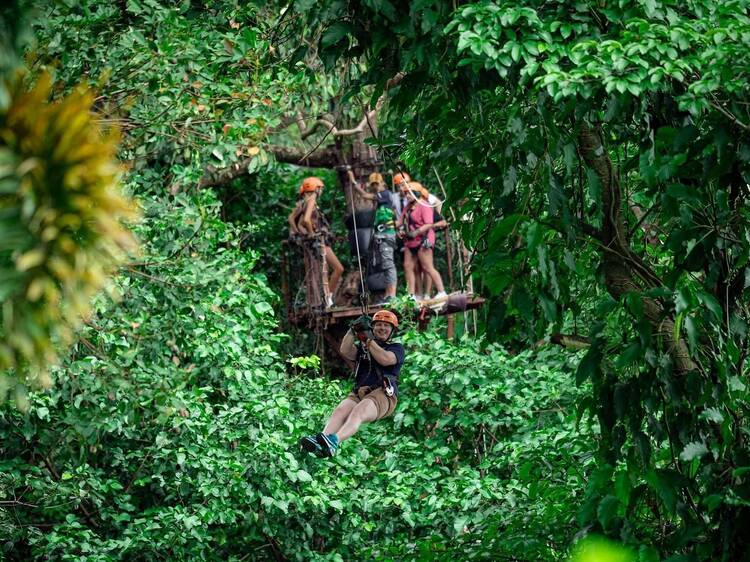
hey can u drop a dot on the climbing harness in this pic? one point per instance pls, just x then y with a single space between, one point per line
359 327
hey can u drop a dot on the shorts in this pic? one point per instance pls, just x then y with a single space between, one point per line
385 404
386 248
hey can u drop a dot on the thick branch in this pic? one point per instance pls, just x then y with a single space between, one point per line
321 158
326 157
306 131
569 341
624 271
367 119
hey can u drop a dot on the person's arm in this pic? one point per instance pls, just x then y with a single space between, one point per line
307 225
362 193
440 222
381 356
292 219
348 347
425 217
402 217
439 225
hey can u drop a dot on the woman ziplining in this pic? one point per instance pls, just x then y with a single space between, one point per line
375 392
307 220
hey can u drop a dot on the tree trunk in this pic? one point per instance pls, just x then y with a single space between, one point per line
624 271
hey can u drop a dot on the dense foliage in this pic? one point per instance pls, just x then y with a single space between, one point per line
601 152
597 158
172 430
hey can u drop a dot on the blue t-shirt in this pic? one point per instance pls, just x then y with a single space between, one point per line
367 373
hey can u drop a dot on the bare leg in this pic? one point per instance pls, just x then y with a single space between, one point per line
427 284
425 259
409 264
364 412
339 416
418 274
336 270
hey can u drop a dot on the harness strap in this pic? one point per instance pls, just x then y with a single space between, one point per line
384 381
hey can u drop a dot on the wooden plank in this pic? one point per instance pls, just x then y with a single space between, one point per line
339 313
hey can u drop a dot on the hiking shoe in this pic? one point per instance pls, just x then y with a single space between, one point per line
309 444
441 295
329 444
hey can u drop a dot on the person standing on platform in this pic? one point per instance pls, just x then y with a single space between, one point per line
384 225
307 220
417 222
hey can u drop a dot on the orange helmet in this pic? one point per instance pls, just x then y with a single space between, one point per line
402 178
386 316
417 187
310 184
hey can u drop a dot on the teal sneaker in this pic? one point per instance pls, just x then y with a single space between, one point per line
329 444
310 444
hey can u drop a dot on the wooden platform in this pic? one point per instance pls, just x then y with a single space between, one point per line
435 306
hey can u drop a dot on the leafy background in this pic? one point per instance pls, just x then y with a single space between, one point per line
170 431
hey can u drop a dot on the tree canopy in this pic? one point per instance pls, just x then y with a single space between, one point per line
595 157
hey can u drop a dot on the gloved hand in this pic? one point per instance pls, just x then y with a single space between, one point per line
361 324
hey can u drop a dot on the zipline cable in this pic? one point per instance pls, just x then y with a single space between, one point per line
363 295
395 164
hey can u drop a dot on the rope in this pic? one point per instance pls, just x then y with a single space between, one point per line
459 249
418 197
362 297
385 152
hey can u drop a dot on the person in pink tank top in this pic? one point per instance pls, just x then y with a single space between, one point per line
417 222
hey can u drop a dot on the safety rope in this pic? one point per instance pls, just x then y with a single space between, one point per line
363 295
459 250
394 164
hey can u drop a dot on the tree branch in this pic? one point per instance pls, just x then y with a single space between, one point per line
624 271
569 341
326 157
322 158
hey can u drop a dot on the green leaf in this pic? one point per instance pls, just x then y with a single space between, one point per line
304 476
336 33
630 354
712 304
533 235
336 504
648 554
607 511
